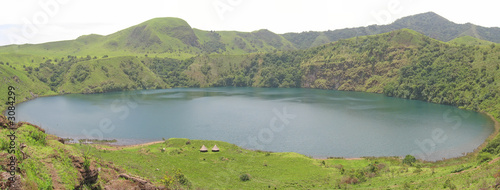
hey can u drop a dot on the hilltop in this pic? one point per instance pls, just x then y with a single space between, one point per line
165 37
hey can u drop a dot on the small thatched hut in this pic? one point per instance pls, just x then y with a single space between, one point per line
215 149
203 149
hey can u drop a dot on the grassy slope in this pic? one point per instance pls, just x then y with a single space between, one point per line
105 74
48 163
288 170
469 40
26 87
224 167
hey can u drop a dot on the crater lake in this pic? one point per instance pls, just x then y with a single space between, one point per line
318 123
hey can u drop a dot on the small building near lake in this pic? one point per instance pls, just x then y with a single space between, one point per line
203 149
215 149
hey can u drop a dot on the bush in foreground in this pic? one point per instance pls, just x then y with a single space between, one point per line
175 181
245 177
484 157
409 160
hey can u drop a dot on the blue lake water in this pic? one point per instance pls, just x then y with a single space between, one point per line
319 123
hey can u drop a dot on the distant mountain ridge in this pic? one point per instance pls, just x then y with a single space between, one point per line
429 24
174 37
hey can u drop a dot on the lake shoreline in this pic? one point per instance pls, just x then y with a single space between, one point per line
474 151
496 130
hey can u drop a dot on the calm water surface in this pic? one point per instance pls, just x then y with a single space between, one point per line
317 123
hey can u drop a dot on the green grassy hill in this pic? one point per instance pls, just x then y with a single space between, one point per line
162 37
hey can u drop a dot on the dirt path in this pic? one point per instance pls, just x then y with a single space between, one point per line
53 175
143 144
353 158
120 147
494 160
489 163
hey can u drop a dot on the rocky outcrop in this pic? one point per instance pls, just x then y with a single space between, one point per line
5 183
4 122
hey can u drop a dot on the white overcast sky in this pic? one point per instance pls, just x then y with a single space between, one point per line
38 21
